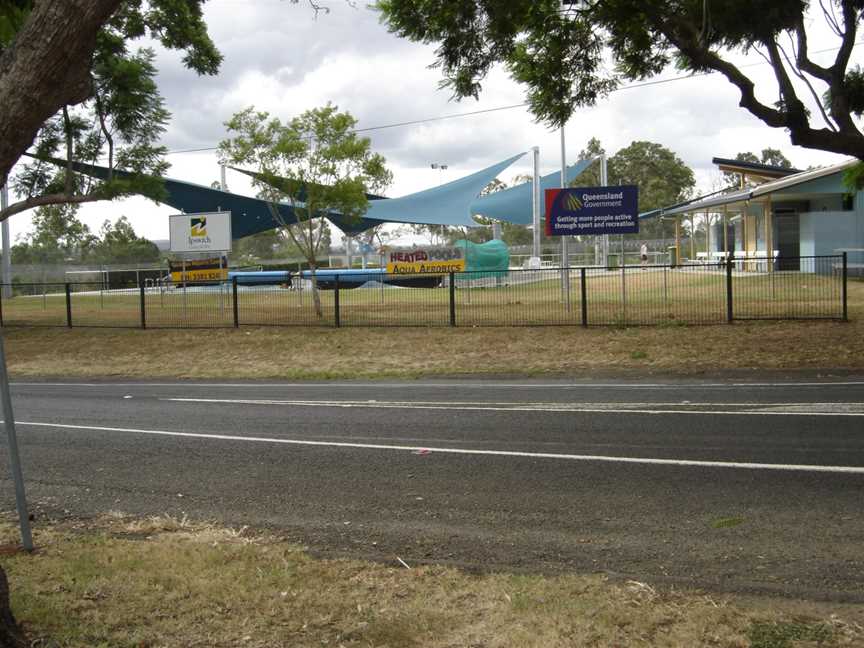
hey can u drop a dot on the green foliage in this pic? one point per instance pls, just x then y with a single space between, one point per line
771 156
274 244
853 178
511 233
120 244
125 115
785 634
13 14
562 52
662 177
316 163
59 237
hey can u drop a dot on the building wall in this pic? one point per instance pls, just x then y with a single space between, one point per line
823 232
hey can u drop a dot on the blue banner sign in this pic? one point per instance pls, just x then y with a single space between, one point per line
592 210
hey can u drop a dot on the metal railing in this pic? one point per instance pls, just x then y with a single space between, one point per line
702 293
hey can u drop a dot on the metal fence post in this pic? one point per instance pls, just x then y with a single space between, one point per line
452 299
2 290
336 303
583 284
729 312
68 305
844 288
143 304
234 301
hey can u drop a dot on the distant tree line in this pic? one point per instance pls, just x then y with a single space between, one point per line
58 237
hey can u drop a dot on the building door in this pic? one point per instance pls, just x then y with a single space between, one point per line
787 239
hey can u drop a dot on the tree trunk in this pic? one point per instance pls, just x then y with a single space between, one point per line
316 296
10 634
46 67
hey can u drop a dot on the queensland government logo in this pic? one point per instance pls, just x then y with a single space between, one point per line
572 202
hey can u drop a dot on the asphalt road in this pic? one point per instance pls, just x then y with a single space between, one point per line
724 485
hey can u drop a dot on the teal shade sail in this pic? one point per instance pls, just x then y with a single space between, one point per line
514 204
448 204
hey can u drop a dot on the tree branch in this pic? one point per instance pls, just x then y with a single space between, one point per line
810 87
67 128
804 63
49 199
794 118
104 128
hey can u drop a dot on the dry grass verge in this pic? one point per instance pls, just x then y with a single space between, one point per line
321 353
373 353
166 582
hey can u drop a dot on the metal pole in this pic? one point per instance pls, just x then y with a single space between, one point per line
565 248
183 278
604 180
221 283
452 288
7 250
234 301
142 304
583 289
535 211
14 457
623 285
844 296
337 320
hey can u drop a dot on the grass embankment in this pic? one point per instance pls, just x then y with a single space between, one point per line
323 353
165 582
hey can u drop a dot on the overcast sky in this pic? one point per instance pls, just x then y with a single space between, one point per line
282 59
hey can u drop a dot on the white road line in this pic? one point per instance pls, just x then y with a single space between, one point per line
457 385
615 408
855 470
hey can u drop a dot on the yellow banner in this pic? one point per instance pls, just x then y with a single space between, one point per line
213 274
199 270
427 267
432 260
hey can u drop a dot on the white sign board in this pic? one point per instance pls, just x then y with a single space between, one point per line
200 232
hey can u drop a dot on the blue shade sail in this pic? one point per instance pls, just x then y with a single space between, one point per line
448 204
514 204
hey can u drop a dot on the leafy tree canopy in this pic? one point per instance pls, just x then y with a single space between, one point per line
58 237
662 177
559 53
316 162
123 116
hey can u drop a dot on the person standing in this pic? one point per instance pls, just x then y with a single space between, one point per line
643 255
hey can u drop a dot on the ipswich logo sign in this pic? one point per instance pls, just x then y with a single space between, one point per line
592 210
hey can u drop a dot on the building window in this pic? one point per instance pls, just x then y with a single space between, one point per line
848 202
